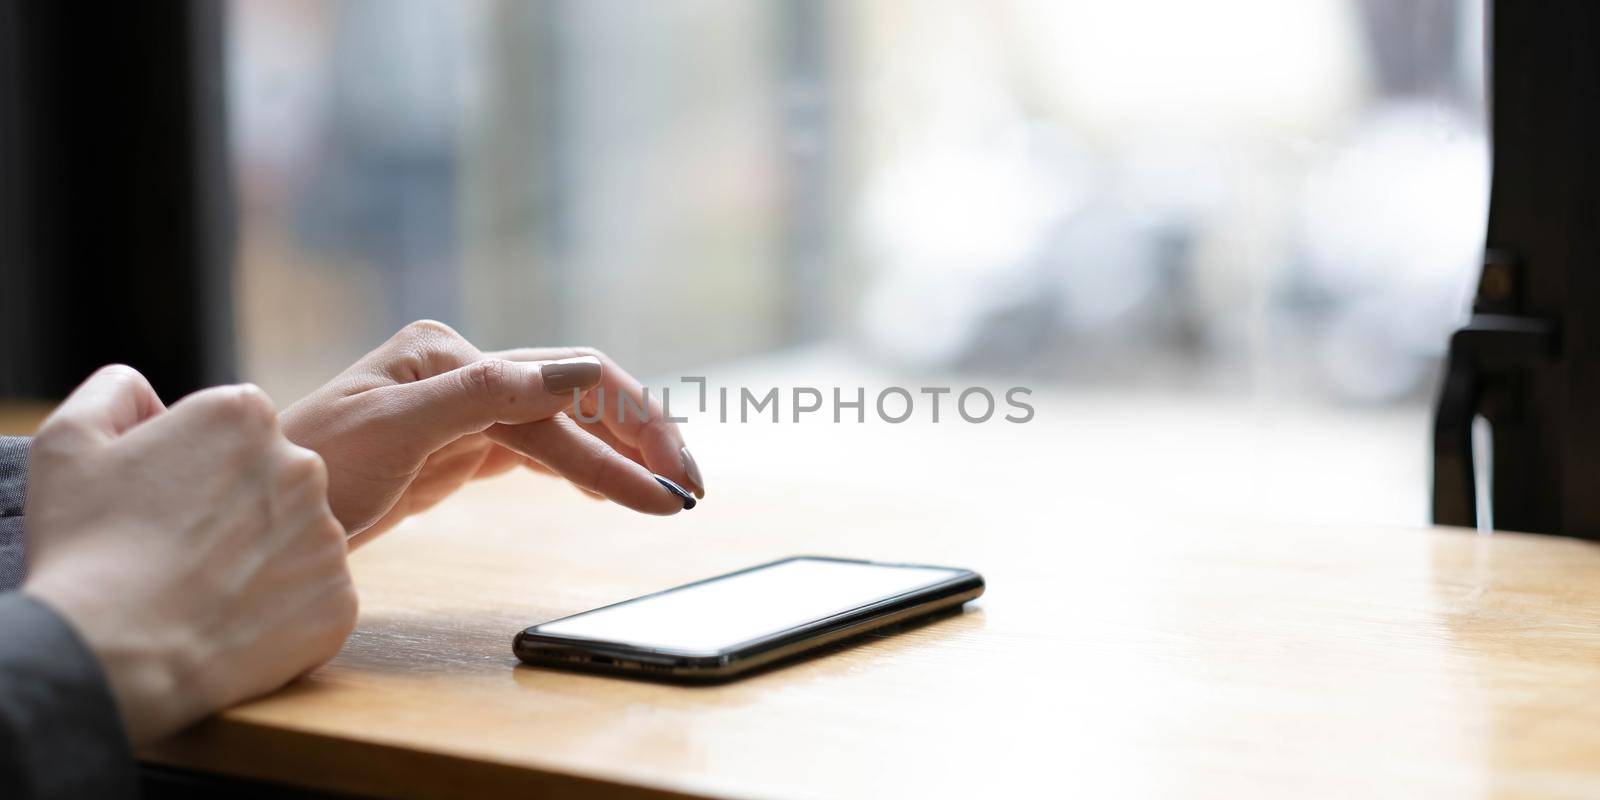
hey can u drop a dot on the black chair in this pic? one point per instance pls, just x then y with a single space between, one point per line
1528 361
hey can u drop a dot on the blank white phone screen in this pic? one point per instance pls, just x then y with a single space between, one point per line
725 612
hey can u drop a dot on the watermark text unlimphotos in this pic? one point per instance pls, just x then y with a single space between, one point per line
893 404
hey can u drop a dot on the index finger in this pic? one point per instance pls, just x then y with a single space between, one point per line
656 437
567 450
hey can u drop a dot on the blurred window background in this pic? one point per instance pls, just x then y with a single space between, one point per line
1247 222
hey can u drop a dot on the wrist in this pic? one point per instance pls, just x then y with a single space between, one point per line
144 682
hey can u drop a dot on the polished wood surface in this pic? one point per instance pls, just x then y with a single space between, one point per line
1152 656
20 418
1155 624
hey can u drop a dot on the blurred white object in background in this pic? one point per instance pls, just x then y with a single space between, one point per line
954 231
1149 213
1224 71
1392 227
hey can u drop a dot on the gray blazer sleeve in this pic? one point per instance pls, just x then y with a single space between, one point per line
13 487
60 732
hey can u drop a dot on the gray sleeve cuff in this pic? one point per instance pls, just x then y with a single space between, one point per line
60 732
13 490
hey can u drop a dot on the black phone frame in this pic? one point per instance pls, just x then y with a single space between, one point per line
616 658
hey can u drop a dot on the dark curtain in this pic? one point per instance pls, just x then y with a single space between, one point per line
115 206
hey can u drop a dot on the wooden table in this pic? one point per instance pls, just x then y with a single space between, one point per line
1152 626
1134 656
20 418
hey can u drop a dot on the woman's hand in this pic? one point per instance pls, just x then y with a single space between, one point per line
192 548
426 412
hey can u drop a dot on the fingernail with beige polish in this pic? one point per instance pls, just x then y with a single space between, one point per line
568 374
691 471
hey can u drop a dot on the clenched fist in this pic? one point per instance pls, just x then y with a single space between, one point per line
193 547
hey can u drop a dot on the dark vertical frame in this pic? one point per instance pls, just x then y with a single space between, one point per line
117 201
16 287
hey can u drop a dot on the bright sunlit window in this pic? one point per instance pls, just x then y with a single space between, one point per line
1181 223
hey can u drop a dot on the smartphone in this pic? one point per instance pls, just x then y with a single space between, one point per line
722 627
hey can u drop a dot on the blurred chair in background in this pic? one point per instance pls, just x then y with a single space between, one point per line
1528 361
